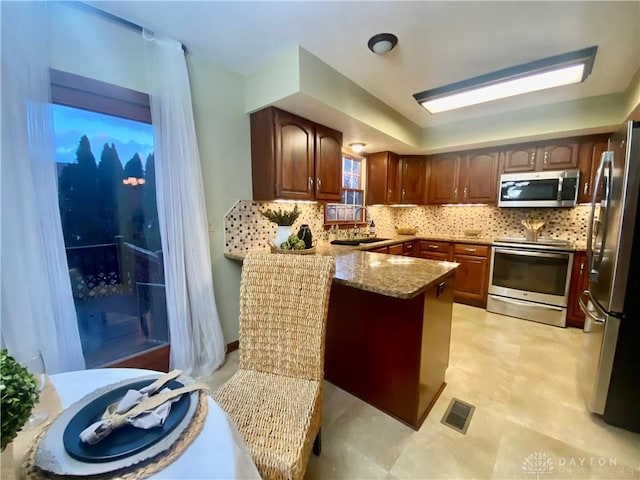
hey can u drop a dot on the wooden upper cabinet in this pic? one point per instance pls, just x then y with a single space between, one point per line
471 178
479 177
412 175
382 179
328 164
590 155
294 158
519 159
443 178
562 155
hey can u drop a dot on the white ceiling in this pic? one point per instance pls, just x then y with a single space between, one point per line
439 42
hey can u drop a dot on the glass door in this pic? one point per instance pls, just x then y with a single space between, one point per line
107 200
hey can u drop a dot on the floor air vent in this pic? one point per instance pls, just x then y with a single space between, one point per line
458 415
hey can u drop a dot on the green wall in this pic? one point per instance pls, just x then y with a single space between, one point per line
90 45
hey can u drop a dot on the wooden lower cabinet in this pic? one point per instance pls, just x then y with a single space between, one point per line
390 352
472 274
396 249
379 250
579 283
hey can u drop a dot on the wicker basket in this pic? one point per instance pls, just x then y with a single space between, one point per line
404 230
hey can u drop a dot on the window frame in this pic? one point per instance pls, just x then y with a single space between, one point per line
361 220
73 90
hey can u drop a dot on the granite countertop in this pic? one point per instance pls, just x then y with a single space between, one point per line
390 275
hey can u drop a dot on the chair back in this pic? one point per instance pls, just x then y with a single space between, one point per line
284 300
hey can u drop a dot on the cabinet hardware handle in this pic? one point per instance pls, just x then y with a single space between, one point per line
310 183
533 158
318 184
586 188
465 192
389 193
581 267
432 246
546 158
404 192
470 249
455 193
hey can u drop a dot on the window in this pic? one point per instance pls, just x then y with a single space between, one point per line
352 195
104 149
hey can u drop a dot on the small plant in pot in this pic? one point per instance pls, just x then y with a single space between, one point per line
280 217
19 394
284 219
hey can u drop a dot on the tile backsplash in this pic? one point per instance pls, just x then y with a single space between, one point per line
246 229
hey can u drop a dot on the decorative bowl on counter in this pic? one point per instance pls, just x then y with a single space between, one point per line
303 251
306 251
405 230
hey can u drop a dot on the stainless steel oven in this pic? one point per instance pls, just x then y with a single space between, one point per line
530 281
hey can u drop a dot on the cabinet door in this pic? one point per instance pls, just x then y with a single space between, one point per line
382 179
412 173
294 151
328 164
443 179
471 280
479 178
558 156
396 249
520 159
579 283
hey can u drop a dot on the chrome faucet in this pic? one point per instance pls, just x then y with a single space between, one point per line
355 214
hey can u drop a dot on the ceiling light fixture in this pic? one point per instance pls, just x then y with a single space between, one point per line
565 69
356 147
382 43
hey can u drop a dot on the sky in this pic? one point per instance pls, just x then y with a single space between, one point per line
129 136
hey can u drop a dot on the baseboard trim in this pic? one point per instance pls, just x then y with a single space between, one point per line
233 346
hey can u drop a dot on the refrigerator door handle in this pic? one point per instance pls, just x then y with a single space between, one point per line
587 311
595 224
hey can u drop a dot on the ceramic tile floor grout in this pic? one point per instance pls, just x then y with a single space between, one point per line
530 421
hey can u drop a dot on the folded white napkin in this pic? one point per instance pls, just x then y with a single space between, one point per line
145 420
139 409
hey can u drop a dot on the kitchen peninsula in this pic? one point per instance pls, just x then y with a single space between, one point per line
388 329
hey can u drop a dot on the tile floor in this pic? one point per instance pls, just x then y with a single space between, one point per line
530 421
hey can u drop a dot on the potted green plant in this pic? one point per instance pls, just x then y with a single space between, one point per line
284 220
19 393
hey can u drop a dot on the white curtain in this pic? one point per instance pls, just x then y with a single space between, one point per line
37 312
197 345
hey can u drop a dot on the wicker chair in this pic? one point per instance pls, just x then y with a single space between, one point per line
275 398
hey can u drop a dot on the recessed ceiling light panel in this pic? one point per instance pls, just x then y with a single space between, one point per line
566 69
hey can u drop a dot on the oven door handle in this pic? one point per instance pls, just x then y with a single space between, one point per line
526 304
531 254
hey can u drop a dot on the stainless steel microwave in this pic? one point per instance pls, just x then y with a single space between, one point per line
539 189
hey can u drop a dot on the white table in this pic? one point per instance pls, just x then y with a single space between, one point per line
218 452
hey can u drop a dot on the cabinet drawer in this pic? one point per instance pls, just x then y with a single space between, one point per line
409 248
471 249
433 246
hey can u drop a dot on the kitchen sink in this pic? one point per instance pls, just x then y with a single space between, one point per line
358 241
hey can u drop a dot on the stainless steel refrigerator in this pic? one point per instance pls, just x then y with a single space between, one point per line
610 365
